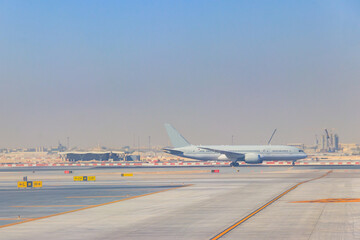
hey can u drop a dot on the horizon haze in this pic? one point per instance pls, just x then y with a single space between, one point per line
110 72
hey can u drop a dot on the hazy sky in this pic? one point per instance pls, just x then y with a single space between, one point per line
106 71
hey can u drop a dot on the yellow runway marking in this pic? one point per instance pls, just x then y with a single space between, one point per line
330 200
262 207
96 196
92 206
51 206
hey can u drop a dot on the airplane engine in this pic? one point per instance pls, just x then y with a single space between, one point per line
223 157
252 158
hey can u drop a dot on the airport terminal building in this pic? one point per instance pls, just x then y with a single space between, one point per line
92 156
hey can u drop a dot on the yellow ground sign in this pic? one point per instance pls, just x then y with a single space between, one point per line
91 178
84 178
29 184
22 184
37 184
127 174
78 178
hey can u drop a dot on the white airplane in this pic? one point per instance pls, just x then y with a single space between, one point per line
248 153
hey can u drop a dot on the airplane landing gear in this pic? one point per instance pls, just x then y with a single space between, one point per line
234 164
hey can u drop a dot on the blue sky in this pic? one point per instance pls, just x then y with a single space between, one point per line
106 71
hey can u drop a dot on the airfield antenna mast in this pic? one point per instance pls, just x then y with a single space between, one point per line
272 136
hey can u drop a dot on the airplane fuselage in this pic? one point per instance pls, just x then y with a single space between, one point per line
234 153
264 152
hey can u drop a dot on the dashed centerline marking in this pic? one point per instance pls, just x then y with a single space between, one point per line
227 230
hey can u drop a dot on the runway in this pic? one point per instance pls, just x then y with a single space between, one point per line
189 203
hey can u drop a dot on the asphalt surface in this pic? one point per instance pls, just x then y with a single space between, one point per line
178 203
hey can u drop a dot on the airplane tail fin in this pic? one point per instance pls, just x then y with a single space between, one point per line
177 140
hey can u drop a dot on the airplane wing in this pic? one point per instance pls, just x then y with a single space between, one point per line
228 154
172 151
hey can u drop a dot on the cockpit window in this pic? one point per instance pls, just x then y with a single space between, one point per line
301 151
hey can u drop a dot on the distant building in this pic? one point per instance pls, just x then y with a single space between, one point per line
336 142
350 148
132 158
90 156
98 156
329 142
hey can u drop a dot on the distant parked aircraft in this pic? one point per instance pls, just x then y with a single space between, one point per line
248 153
